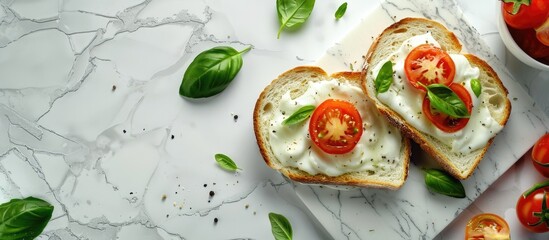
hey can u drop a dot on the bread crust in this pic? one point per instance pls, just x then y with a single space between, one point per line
301 176
443 158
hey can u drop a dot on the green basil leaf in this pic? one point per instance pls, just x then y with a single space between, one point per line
24 218
300 115
292 13
280 226
476 87
211 72
384 78
225 162
445 100
341 11
440 182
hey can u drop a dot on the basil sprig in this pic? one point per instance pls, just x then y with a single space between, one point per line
225 162
384 78
280 226
440 182
211 72
445 100
24 218
292 13
299 116
341 11
475 86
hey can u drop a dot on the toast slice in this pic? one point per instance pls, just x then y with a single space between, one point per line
493 96
296 82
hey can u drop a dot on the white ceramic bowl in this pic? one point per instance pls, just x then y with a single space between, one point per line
512 45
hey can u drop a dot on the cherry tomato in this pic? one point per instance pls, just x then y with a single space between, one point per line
526 39
487 226
444 122
532 209
542 33
523 14
540 155
335 126
428 64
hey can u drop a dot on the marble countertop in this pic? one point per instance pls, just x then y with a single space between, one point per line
91 119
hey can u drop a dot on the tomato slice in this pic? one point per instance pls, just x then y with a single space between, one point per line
542 33
335 126
428 64
540 155
487 226
444 122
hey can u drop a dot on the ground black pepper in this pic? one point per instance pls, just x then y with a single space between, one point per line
124 131
205 185
212 193
173 136
235 117
216 220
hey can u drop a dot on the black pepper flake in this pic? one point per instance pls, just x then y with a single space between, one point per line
113 88
205 185
131 193
212 193
235 117
173 136
514 99
124 131
167 215
214 184
216 220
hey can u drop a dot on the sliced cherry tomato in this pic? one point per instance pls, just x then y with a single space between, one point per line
542 33
335 126
487 226
444 122
540 155
523 14
427 64
532 208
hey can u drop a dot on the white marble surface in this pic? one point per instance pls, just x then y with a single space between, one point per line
104 155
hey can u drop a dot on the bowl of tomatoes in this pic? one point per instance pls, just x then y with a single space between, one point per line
524 28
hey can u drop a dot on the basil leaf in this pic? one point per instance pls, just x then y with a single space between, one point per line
24 218
476 87
211 72
300 115
280 226
292 13
341 11
447 101
384 78
225 162
440 182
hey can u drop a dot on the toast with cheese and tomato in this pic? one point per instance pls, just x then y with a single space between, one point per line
451 103
317 128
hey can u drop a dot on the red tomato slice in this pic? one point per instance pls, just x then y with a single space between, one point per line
428 64
444 122
542 33
487 226
540 155
335 126
527 16
532 208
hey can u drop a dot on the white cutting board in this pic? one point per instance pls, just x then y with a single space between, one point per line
413 212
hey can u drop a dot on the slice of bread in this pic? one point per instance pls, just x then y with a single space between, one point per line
296 81
494 94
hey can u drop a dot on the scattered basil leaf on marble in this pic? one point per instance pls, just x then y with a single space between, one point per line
211 72
445 100
384 78
280 226
341 11
292 13
225 162
476 87
24 218
299 116
441 182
